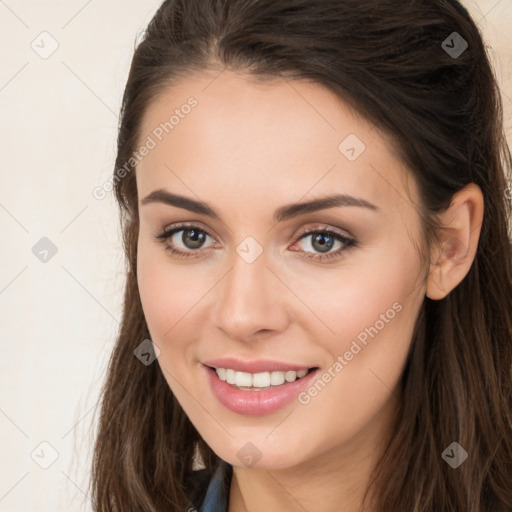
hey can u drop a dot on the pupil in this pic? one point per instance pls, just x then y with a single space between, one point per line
325 242
197 237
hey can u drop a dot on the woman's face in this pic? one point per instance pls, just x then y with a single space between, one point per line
261 277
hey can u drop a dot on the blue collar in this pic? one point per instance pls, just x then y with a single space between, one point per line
217 493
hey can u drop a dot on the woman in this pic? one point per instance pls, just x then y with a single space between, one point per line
317 308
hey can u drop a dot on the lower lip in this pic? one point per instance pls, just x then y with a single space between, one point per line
257 403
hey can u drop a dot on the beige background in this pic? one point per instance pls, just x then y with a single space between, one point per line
58 319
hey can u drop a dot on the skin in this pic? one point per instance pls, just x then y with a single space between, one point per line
246 150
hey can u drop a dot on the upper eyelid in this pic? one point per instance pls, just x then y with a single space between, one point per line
323 228
302 232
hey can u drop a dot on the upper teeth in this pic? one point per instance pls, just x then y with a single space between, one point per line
258 380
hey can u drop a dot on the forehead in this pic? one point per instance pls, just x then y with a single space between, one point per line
264 138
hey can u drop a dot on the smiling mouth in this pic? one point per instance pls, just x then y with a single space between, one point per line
261 381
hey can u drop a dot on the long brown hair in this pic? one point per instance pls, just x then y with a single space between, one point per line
387 59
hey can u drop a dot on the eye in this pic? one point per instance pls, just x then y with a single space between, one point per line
323 240
185 245
191 241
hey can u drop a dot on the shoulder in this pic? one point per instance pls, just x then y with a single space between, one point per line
210 492
199 481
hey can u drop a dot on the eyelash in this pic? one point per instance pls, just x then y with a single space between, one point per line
349 243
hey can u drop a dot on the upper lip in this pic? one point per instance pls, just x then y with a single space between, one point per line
256 366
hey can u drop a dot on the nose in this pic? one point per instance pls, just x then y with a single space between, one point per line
251 301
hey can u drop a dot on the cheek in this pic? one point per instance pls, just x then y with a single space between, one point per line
373 312
372 300
165 294
167 302
356 294
173 298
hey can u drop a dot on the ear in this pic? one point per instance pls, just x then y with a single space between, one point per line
453 257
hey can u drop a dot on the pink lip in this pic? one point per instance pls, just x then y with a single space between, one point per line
257 366
256 403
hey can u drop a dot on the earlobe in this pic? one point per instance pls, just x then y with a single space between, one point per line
458 241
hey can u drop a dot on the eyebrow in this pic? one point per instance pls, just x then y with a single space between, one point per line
283 213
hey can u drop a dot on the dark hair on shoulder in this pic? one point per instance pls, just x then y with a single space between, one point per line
444 113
